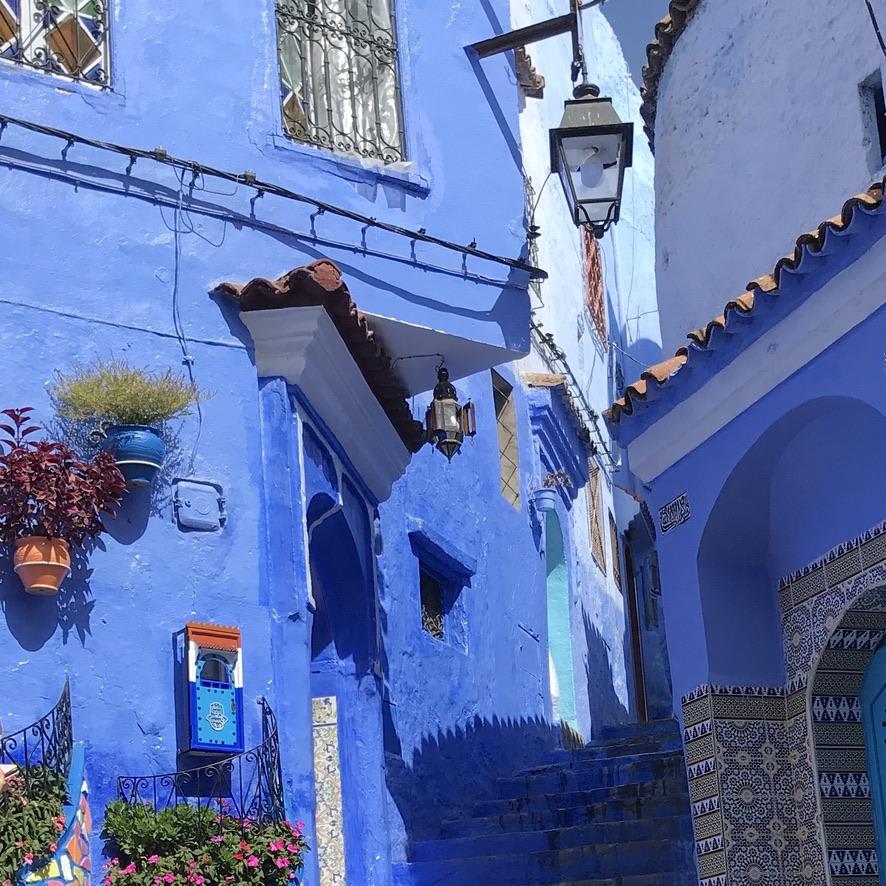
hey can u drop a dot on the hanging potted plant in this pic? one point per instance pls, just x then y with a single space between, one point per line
49 500
546 497
129 406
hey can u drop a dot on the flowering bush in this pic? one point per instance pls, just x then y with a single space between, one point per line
188 846
31 819
46 490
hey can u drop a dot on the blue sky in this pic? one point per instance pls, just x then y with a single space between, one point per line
634 22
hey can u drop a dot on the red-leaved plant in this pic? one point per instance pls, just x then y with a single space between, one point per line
46 489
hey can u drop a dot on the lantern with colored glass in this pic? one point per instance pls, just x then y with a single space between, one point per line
447 422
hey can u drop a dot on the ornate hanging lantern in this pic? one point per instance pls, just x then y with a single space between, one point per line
446 422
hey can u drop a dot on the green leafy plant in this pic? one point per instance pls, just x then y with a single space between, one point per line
193 846
31 819
112 391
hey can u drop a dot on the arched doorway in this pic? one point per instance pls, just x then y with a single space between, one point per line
559 624
345 692
872 700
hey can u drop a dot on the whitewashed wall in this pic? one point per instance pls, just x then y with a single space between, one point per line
760 136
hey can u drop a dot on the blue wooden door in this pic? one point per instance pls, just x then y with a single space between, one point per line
873 713
216 702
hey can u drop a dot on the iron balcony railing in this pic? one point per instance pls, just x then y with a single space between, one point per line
46 744
244 786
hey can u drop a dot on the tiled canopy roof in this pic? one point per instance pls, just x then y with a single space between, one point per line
703 339
320 285
557 382
667 32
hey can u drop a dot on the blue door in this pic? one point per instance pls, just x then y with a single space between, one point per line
873 713
216 708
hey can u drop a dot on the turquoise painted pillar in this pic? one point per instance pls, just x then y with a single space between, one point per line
559 622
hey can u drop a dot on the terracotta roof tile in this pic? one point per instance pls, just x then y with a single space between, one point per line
667 32
768 285
320 284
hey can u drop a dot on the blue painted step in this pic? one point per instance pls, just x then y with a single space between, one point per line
545 839
596 861
615 813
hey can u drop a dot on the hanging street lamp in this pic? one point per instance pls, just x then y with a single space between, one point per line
592 146
446 422
590 150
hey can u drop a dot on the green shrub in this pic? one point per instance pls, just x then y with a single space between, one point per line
115 392
200 847
31 820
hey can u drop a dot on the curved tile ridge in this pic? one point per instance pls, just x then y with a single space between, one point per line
743 305
320 284
667 32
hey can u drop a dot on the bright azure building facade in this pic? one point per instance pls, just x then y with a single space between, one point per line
282 200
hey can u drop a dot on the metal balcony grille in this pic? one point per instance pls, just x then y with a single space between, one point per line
68 38
338 73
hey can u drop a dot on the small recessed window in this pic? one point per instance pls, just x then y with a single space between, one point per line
432 605
873 110
508 450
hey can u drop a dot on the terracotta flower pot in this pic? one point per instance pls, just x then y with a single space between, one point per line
42 564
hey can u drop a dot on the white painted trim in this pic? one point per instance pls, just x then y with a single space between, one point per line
303 346
824 318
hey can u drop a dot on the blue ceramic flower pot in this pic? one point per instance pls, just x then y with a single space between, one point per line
138 451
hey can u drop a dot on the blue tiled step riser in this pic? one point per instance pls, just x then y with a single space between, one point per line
640 730
612 749
674 786
545 839
606 775
661 857
612 810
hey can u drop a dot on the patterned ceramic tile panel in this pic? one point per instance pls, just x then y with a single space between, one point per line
71 864
329 818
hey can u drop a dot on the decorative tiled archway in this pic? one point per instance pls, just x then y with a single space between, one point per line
771 804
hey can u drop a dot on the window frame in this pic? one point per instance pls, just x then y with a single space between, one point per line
510 487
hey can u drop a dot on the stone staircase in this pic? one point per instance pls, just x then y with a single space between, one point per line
615 813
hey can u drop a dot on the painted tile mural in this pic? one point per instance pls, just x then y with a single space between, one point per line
778 776
71 864
329 839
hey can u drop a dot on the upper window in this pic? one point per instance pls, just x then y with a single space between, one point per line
508 452
873 109
616 563
64 37
595 292
338 71
595 514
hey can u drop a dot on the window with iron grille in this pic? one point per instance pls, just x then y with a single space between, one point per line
613 539
595 291
339 81
432 605
508 452
595 514
64 37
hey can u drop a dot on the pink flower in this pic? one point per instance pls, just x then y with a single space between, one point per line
292 847
252 861
153 859
281 862
276 845
130 868
169 877
53 847
218 838
28 857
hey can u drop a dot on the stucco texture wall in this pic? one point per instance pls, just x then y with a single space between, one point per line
760 135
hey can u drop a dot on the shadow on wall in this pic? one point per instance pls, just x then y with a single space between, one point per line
604 705
458 767
33 620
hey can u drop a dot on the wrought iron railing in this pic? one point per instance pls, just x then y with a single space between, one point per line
64 37
339 80
45 745
245 786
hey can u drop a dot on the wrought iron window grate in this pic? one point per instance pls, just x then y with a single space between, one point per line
248 785
47 743
64 37
339 80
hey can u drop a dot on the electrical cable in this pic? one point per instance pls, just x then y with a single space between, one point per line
159 155
876 25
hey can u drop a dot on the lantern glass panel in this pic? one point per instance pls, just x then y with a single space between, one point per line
591 170
446 414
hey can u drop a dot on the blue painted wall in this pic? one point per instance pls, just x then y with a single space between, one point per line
797 473
90 271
